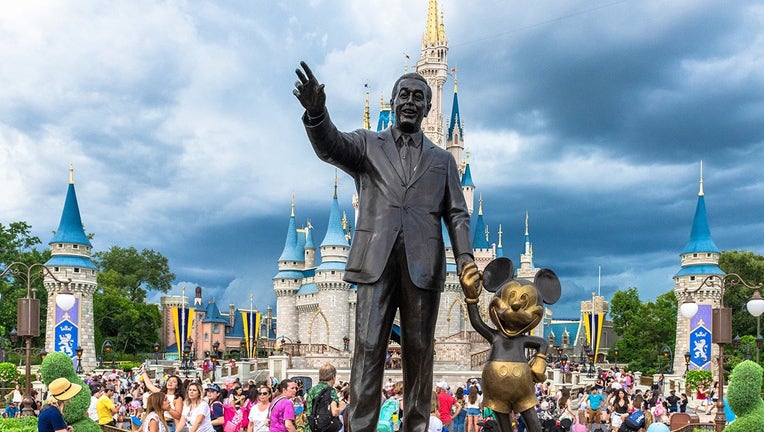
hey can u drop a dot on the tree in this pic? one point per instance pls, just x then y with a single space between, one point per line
119 307
644 328
134 273
17 244
751 268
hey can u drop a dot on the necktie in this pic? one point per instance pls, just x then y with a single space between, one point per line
407 156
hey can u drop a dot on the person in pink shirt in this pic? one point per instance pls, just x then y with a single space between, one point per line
282 409
446 403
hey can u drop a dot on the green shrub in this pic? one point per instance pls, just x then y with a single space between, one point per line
23 424
744 398
58 365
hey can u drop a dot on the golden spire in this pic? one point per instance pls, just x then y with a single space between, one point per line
434 28
344 220
292 204
701 179
71 174
500 233
366 116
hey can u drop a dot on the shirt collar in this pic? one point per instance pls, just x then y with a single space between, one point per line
416 136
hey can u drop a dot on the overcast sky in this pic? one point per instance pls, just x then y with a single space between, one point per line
179 120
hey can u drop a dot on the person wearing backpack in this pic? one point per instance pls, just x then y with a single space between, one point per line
323 404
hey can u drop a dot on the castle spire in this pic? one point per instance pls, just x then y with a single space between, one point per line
434 31
480 238
290 252
366 115
70 229
433 66
700 234
701 179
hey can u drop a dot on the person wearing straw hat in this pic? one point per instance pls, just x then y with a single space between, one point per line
51 418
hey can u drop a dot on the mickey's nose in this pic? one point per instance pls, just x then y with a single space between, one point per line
516 305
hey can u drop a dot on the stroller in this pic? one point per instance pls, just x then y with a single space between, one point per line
552 425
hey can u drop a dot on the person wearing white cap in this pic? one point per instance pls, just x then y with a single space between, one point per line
445 404
51 417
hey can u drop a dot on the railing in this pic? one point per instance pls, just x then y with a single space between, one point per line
479 358
106 428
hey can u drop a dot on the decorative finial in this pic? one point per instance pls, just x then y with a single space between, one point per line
71 174
453 72
526 223
310 225
336 181
344 220
500 233
406 65
486 232
366 115
701 179
468 156
480 205
292 205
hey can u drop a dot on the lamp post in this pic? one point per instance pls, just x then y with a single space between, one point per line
105 349
559 352
615 353
28 315
243 351
184 364
686 362
666 353
79 360
722 325
737 342
213 360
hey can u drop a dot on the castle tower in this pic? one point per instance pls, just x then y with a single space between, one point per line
700 259
468 186
526 269
499 247
70 251
287 281
329 323
480 246
454 140
433 66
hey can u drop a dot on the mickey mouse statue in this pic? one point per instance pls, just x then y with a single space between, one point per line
515 310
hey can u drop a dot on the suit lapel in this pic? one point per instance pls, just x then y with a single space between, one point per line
388 147
428 151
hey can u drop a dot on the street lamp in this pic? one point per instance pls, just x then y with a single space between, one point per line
298 346
722 325
667 354
615 353
78 351
213 360
686 362
105 349
243 352
28 315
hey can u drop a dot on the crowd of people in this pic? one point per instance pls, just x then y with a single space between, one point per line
171 403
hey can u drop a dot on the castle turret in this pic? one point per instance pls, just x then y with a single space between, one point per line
287 281
468 186
433 66
526 269
700 259
70 251
454 139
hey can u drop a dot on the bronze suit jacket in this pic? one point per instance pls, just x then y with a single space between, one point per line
388 204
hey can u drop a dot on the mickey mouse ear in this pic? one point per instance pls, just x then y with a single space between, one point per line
497 273
548 285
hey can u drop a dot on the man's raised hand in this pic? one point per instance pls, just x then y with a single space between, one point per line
308 91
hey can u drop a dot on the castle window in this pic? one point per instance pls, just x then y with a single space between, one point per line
694 255
216 328
75 246
565 339
692 278
708 255
55 269
76 269
60 245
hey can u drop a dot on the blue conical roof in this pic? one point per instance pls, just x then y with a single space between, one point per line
479 240
456 121
467 177
309 238
700 235
335 235
70 228
290 252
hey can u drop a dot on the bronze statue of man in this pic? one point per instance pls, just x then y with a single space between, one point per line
407 187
